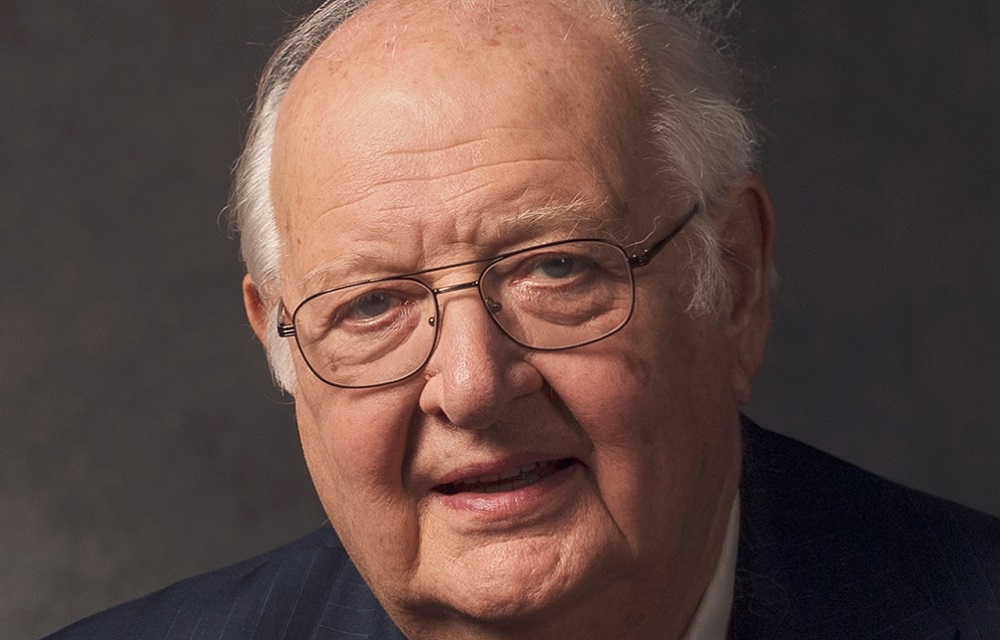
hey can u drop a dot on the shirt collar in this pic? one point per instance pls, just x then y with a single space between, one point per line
711 619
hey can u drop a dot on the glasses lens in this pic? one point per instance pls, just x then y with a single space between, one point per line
560 296
367 334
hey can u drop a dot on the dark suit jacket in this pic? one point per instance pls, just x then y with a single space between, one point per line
827 551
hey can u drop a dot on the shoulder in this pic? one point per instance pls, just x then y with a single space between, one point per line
287 592
830 550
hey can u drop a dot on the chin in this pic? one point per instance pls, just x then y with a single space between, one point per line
520 591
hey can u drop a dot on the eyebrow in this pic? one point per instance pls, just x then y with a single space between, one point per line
573 219
584 217
335 272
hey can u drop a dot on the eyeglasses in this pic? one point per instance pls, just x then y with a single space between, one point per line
549 297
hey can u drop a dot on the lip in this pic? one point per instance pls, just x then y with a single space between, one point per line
535 500
495 467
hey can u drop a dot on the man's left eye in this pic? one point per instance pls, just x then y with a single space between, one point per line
372 305
557 267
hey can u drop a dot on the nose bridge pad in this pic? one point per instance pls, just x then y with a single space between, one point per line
492 305
493 308
488 287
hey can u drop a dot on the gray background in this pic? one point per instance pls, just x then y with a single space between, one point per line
142 441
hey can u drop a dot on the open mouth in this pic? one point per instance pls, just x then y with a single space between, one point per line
511 480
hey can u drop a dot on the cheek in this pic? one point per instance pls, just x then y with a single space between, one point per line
625 379
356 444
654 409
355 441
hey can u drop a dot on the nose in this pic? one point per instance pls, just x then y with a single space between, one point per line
476 371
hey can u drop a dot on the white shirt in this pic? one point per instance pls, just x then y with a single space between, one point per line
711 619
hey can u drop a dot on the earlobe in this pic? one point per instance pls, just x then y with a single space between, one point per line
748 239
257 311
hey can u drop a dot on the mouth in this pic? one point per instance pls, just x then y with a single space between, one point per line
508 480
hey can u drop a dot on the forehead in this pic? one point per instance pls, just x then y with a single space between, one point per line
385 34
474 114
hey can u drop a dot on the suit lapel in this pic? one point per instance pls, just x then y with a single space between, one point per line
818 556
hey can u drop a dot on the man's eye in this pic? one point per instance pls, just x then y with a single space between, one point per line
370 305
367 311
557 267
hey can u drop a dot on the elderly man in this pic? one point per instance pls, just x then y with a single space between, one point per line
511 261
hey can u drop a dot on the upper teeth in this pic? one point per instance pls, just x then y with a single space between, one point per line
503 475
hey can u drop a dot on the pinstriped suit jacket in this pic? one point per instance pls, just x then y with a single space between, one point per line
827 551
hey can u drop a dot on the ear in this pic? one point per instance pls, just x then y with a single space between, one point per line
257 311
748 237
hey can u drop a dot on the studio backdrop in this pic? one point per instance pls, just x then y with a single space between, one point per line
142 440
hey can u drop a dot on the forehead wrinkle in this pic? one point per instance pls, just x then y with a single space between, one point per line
401 203
445 146
393 194
416 166
394 180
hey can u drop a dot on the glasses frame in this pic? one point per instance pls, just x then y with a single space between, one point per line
635 261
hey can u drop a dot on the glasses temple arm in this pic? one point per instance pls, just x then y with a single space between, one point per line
642 259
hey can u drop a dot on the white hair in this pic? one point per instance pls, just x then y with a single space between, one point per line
699 126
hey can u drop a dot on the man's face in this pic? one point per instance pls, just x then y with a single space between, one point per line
459 137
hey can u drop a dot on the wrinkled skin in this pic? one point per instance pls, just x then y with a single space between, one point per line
417 137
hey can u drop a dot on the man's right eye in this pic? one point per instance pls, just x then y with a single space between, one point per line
366 310
372 305
368 307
